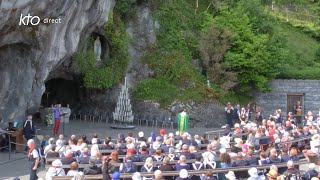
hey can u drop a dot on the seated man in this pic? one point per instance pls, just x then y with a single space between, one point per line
240 162
311 172
273 156
185 152
263 159
251 159
144 154
291 171
84 159
182 164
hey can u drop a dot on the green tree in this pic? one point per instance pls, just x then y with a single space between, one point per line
214 43
249 55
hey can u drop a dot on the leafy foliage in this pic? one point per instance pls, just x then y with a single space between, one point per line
106 75
214 43
250 54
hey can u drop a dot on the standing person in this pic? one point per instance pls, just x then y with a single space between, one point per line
57 119
34 159
229 114
28 129
183 122
249 112
259 115
298 112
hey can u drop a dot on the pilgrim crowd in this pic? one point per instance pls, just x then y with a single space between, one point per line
243 142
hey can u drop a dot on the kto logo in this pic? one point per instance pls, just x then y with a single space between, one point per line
25 20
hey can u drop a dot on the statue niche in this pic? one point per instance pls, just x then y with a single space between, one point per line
101 48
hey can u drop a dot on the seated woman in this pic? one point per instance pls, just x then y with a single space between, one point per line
148 165
225 160
114 159
55 170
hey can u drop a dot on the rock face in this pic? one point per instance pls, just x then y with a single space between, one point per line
285 94
141 30
28 53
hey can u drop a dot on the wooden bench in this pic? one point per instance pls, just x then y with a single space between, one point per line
190 172
81 166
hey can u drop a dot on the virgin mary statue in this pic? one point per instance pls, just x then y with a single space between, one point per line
97 49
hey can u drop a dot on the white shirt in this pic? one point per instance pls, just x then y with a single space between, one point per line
35 153
94 149
54 172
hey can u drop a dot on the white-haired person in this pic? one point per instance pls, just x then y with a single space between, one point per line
141 137
34 159
136 176
158 175
60 145
182 164
291 169
311 172
94 147
308 119
183 175
49 146
254 174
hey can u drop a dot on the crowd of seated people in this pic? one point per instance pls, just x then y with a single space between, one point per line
248 144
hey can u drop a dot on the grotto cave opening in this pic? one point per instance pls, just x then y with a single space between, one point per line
61 91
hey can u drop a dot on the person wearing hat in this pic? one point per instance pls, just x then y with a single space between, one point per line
231 176
55 170
183 122
141 137
254 174
183 175
68 159
272 174
136 176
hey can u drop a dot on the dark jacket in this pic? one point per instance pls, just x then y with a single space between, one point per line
83 160
92 170
28 129
274 159
252 160
310 174
179 167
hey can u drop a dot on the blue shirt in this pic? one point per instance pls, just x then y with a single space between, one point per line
56 113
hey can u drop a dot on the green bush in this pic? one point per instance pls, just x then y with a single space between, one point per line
103 76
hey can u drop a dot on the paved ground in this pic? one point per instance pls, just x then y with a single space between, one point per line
17 166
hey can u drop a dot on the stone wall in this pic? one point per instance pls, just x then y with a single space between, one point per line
277 98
